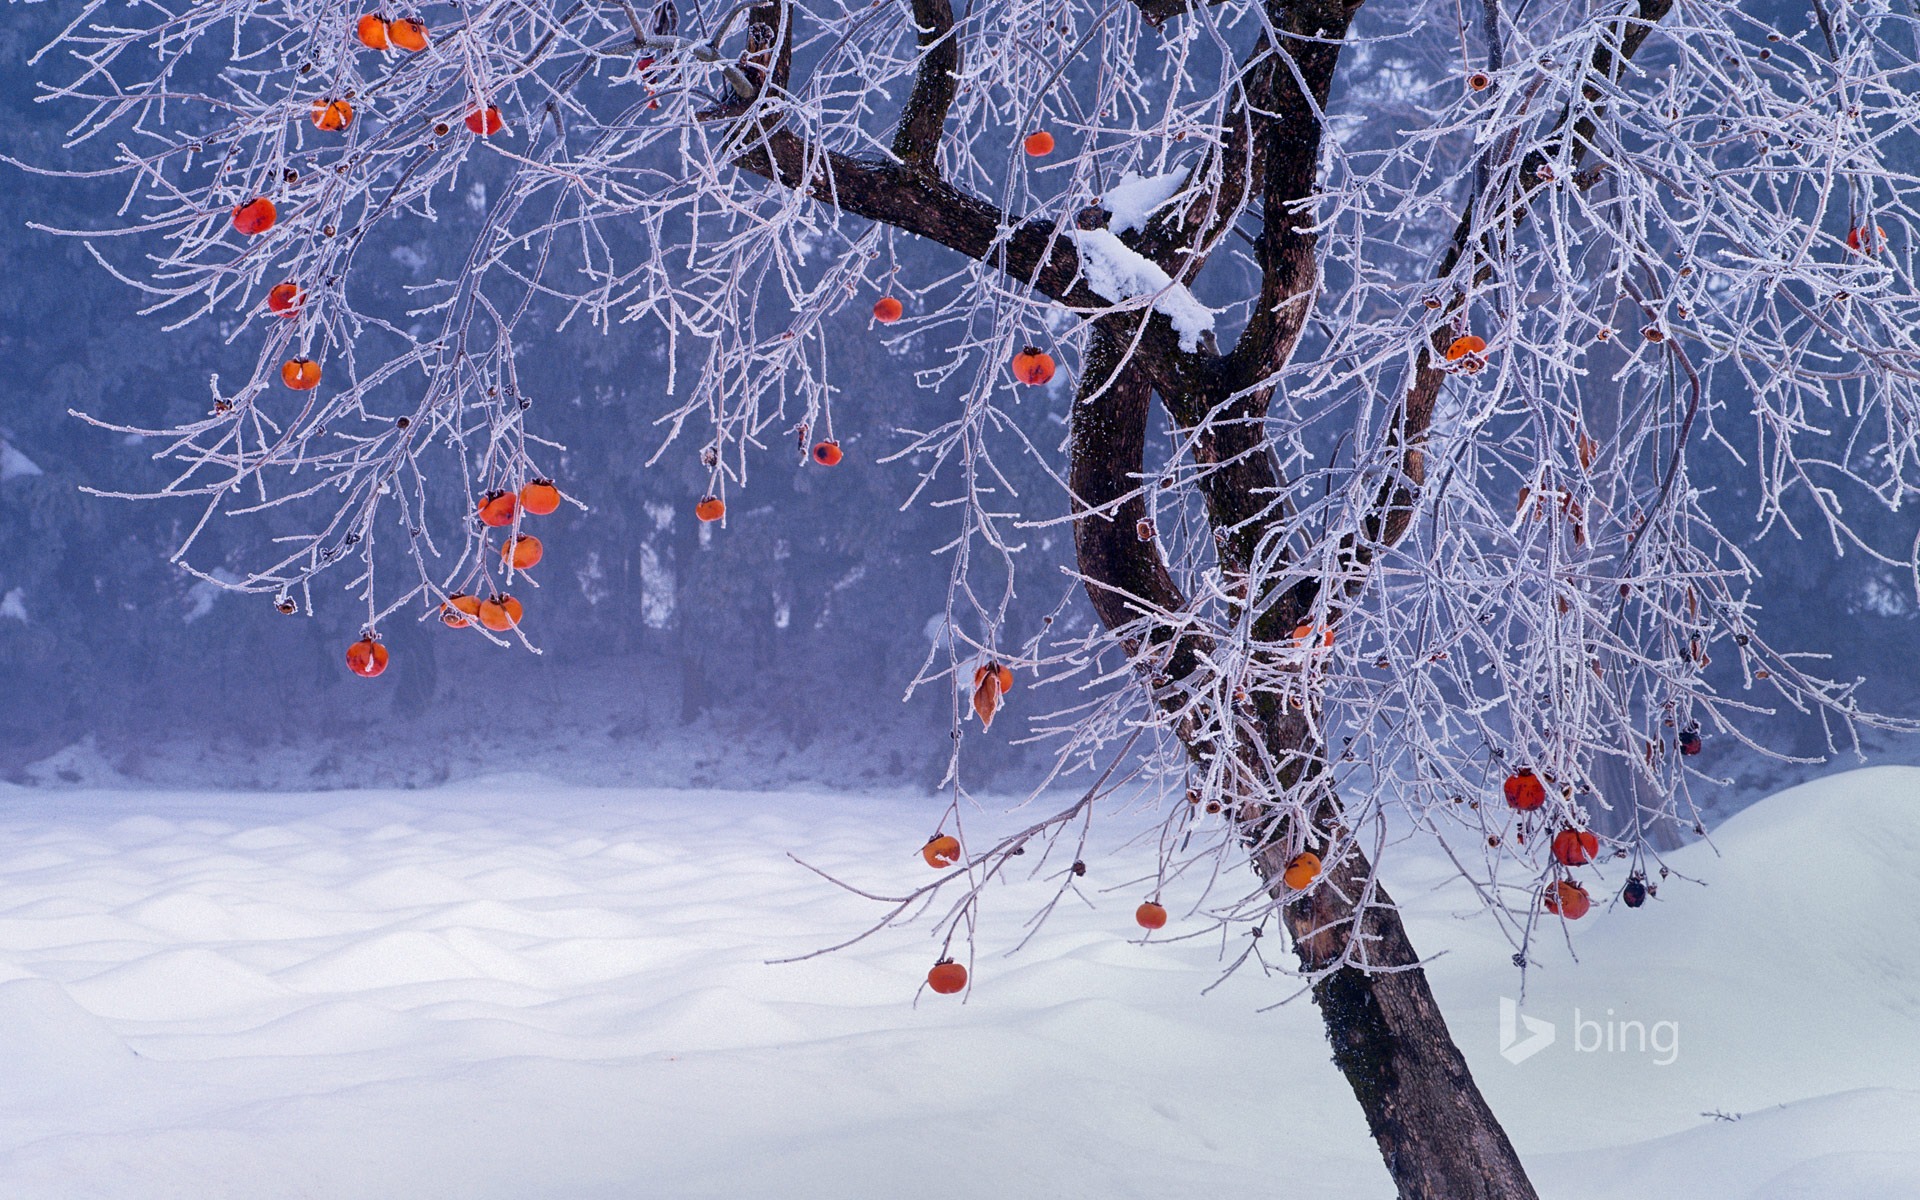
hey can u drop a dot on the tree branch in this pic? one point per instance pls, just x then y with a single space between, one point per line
917 142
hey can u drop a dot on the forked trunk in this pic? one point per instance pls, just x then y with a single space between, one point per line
1434 1129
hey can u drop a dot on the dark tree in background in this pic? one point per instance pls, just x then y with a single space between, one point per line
1363 354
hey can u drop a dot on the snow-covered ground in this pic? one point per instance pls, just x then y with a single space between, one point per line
514 990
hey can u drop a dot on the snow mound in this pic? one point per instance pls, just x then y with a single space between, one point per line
1135 199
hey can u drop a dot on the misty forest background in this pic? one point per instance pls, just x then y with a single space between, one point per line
773 652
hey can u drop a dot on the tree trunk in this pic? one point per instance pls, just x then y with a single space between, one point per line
1434 1129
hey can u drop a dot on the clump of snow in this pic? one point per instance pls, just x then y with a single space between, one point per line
14 605
509 989
1118 273
1135 199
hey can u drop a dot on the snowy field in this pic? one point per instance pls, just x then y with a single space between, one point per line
512 990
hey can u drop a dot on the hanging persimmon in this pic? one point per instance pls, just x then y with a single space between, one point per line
1862 242
710 508
942 850
1568 899
300 374
1635 893
887 310
522 552
1575 847
1033 366
500 612
540 497
947 977
254 217
496 509
1303 634
1302 869
366 657
1524 790
285 299
1151 915
409 33
485 122
372 32
459 610
1690 743
990 682
332 115
1039 144
827 453
1465 345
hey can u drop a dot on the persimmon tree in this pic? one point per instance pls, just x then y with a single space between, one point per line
1383 340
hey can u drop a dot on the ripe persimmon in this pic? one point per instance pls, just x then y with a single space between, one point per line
285 299
1690 743
1303 635
500 612
372 32
300 374
1575 847
1465 345
1039 144
1151 915
827 453
1002 676
1033 366
887 310
1524 790
485 122
1862 242
947 977
458 610
254 217
522 552
1635 893
1302 869
409 33
332 115
366 657
710 508
496 509
1568 899
942 850
540 497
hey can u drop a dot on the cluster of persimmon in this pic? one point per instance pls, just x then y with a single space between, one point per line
497 510
1526 792
378 33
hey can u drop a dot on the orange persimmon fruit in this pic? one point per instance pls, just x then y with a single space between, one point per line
1039 144
1575 847
500 612
409 33
458 610
300 374
522 552
827 453
1302 869
1033 366
710 508
1524 790
1568 899
254 217
540 497
1151 915
1465 345
496 509
332 115
372 32
285 299
947 977
887 310
366 658
942 850
485 122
